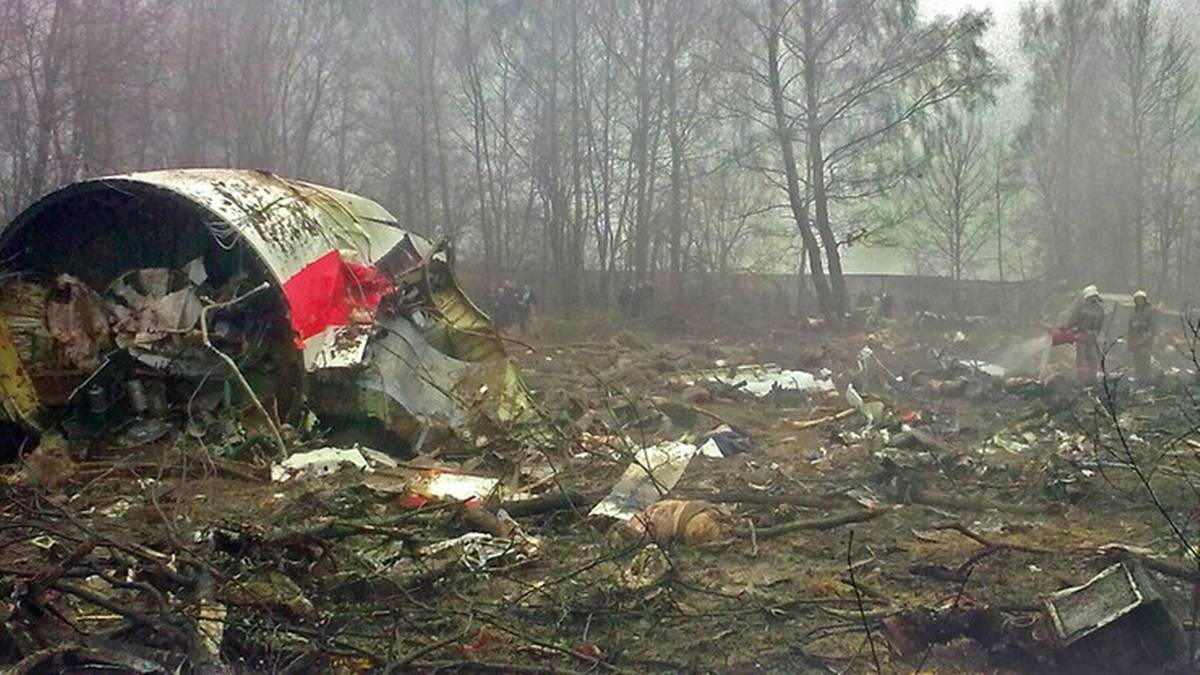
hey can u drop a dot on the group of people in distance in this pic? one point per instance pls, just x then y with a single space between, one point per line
1086 321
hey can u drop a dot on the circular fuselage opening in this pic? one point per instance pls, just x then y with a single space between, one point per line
123 245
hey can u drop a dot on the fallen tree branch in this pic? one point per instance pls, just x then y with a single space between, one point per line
462 665
105 469
862 611
822 523
556 501
406 661
944 501
751 497
53 658
1165 567
809 424
105 602
988 543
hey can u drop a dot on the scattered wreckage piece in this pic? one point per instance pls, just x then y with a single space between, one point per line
1116 622
380 473
651 474
692 522
760 380
361 316
18 398
317 463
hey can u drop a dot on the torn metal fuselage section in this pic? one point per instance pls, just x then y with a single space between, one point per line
432 359
362 319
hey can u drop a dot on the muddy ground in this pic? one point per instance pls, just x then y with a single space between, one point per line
832 533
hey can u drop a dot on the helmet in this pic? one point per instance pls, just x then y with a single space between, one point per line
1091 292
1140 295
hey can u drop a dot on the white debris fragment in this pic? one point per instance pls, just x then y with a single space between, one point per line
319 462
460 486
986 368
654 470
378 458
477 549
761 380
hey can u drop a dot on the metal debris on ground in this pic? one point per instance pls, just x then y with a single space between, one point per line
653 471
1117 622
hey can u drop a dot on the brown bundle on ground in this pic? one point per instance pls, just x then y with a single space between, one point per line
693 522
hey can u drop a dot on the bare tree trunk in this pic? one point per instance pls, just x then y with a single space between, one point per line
783 136
640 139
47 99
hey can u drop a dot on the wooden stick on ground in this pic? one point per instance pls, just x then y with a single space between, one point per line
808 424
822 523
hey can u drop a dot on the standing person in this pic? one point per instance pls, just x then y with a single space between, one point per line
625 300
1087 320
526 304
504 305
1141 336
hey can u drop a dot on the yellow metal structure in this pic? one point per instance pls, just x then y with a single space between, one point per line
18 398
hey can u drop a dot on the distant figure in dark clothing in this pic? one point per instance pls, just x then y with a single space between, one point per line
887 306
526 301
636 302
625 300
510 306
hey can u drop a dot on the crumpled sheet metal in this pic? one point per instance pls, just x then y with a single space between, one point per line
437 389
653 471
18 398
465 331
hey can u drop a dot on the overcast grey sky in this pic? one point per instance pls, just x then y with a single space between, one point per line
936 6
1005 32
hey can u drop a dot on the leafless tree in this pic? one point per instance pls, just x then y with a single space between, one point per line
953 191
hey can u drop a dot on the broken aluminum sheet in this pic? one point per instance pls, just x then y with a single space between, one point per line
458 486
476 549
324 461
288 223
986 368
762 379
336 347
433 483
653 472
434 388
